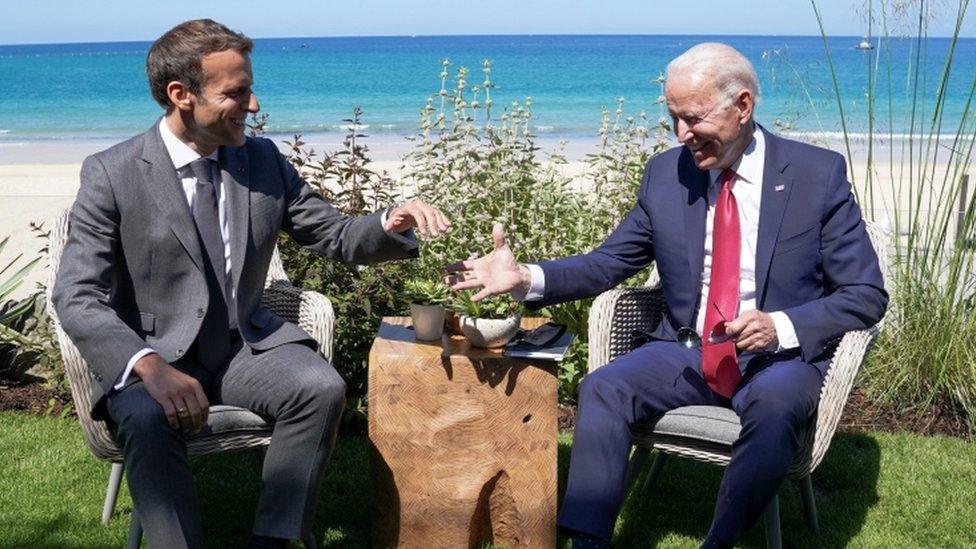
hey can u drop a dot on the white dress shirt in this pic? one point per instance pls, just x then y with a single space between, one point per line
182 155
747 190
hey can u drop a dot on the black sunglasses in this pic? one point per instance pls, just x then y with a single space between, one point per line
689 338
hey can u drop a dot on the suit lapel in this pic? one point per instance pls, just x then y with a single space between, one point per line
777 186
235 173
165 188
695 182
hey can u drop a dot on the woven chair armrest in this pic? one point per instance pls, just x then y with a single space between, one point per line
837 386
312 312
615 315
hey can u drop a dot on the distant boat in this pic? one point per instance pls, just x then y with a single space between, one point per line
866 44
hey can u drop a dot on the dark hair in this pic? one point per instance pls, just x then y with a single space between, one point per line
178 55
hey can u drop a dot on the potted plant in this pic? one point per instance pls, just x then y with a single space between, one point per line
489 323
427 298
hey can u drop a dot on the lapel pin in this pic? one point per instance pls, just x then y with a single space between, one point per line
779 188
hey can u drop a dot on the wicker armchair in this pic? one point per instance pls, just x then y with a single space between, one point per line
706 433
228 427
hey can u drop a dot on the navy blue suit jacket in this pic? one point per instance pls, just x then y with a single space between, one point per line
814 260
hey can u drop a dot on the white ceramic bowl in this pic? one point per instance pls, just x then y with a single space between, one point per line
490 332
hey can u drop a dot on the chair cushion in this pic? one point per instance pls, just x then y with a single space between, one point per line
224 419
708 423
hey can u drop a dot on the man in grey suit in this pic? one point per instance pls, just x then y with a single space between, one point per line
170 240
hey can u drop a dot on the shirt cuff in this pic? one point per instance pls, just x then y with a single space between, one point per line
128 367
785 332
537 286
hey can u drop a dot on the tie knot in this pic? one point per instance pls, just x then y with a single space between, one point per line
727 178
202 169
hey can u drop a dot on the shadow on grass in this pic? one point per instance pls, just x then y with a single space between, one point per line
228 486
677 510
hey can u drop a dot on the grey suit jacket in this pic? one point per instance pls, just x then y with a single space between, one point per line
131 274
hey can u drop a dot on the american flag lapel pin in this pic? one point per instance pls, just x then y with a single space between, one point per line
779 188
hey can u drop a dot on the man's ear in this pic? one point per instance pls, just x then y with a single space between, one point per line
745 102
179 95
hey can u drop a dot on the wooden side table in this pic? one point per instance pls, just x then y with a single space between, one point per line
463 443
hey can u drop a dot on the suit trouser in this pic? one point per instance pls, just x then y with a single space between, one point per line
290 384
775 400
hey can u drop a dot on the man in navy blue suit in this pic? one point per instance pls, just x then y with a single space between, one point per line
762 253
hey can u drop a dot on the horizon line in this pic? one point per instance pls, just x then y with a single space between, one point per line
488 35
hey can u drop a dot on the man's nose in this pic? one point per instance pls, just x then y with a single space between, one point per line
252 104
682 131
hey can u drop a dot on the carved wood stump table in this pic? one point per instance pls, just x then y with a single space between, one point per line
463 443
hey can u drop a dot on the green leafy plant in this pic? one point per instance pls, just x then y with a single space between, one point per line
499 306
485 167
481 168
17 350
425 291
361 296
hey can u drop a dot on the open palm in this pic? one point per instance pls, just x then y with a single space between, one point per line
495 273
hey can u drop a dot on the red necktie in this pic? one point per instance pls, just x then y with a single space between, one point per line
719 362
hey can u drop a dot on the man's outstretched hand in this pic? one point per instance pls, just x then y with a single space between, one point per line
428 220
495 273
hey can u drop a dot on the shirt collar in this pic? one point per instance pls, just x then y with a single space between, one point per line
749 167
179 152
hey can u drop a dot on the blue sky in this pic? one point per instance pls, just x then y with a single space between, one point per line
52 21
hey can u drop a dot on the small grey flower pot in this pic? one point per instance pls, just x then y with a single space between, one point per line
428 321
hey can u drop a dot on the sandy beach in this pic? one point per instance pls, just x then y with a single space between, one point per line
39 188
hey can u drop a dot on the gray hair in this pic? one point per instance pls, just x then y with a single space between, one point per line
724 65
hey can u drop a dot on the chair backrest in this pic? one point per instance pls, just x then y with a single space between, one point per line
844 367
99 439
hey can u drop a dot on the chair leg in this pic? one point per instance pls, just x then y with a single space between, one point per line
112 492
809 504
637 460
655 471
774 537
135 531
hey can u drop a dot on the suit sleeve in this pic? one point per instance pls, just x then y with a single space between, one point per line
854 294
83 284
320 227
623 254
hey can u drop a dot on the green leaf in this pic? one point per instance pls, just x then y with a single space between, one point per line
10 284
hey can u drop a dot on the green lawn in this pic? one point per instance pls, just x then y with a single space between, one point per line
874 490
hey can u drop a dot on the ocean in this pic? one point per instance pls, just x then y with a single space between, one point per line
59 94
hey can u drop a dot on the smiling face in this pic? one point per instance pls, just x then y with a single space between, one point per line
715 129
216 116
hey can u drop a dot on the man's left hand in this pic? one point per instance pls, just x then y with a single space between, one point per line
753 331
427 219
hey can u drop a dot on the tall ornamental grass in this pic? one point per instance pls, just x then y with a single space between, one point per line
925 358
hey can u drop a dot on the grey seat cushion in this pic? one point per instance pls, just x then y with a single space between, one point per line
708 423
224 419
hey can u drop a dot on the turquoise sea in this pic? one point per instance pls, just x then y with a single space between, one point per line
65 92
